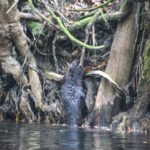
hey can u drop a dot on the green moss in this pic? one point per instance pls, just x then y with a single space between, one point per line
3 2
124 5
110 75
35 27
17 117
146 64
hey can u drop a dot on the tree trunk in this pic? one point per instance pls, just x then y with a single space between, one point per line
119 67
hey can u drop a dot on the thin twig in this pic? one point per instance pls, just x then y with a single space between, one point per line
93 35
42 16
87 35
83 51
56 3
58 12
93 39
93 20
13 5
61 15
104 18
54 53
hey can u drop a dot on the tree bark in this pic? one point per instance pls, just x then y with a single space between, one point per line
119 67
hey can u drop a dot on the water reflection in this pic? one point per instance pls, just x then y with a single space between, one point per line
44 137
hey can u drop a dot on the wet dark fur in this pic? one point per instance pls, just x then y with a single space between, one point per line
73 96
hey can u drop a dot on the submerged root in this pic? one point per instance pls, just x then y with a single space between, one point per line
123 123
20 104
25 106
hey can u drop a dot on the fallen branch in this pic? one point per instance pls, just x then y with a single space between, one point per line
58 77
116 16
54 76
91 9
106 76
29 16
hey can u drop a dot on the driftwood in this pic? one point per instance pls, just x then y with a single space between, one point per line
54 76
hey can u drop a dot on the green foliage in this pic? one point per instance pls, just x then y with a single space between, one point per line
35 27
146 65
124 5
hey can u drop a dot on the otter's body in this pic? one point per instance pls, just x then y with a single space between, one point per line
73 96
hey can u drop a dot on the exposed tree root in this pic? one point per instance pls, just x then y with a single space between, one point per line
20 104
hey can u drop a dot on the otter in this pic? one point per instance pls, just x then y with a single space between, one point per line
73 96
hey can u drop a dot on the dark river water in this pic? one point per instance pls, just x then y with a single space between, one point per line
34 137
